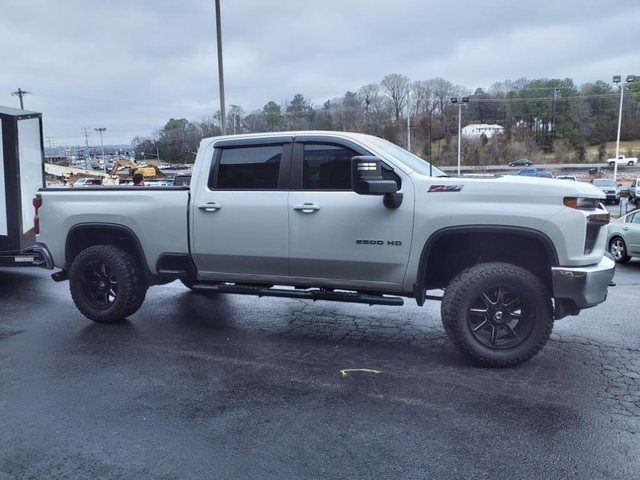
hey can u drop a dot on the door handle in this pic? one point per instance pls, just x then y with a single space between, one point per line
625 228
210 207
307 208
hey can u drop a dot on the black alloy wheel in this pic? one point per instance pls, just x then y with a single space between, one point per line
99 285
499 318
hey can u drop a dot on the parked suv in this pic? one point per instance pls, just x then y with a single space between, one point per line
610 188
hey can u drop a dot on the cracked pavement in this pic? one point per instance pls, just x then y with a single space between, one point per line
206 386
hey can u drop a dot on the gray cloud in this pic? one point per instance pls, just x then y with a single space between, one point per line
130 65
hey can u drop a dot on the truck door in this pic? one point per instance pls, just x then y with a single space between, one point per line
337 235
240 214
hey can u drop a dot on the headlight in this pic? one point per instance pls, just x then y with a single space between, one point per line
581 203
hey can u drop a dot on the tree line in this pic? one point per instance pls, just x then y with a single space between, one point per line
540 117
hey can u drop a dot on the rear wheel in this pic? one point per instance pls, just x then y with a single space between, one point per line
630 163
618 250
106 284
497 314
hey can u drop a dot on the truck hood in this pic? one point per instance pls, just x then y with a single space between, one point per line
532 188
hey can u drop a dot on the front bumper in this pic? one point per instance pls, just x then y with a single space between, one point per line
584 286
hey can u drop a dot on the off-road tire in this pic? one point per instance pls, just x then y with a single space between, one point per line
468 285
132 286
624 257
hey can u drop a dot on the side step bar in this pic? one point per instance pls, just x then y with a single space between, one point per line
314 295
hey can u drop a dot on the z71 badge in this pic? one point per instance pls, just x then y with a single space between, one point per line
444 188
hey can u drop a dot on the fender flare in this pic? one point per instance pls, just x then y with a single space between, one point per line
419 288
113 227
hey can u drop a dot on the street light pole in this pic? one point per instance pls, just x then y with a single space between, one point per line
409 121
454 100
101 131
223 121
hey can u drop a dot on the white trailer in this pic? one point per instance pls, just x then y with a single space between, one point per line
21 176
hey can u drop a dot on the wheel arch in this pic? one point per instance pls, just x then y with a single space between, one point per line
84 235
469 232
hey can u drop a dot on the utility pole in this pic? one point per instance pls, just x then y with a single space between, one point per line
223 122
617 79
49 141
20 93
554 102
101 131
87 161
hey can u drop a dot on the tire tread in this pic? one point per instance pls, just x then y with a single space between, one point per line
132 284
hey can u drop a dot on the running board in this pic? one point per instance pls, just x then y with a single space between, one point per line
314 295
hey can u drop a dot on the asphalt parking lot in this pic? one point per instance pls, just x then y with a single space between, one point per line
237 387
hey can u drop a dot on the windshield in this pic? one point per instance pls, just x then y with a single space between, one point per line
604 182
409 159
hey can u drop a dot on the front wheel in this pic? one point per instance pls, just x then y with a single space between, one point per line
618 250
106 284
497 314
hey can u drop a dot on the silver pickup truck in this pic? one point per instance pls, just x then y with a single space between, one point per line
342 217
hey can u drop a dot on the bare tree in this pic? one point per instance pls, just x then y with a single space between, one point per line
397 87
375 105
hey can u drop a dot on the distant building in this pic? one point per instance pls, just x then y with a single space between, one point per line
475 130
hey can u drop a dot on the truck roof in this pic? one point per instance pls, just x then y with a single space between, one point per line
328 133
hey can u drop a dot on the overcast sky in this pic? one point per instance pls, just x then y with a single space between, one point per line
129 65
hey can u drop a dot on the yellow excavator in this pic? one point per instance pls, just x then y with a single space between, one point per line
124 167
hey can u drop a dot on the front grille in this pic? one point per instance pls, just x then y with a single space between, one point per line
594 223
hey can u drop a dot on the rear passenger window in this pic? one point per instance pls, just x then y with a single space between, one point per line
326 167
249 168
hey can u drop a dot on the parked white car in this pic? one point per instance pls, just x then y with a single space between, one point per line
622 160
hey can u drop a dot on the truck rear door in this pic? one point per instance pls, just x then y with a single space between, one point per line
240 216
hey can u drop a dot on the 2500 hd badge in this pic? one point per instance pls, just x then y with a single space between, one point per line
393 243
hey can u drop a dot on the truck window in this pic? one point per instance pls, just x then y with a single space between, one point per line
326 167
249 168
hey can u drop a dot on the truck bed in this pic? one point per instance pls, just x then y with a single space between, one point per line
158 216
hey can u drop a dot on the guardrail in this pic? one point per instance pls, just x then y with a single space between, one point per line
547 166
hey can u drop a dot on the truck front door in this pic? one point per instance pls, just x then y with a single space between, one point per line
240 215
336 235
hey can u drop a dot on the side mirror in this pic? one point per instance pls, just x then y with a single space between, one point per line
366 175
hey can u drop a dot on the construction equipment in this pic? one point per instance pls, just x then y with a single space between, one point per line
128 168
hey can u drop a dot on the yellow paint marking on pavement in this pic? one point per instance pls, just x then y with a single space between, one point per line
347 371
